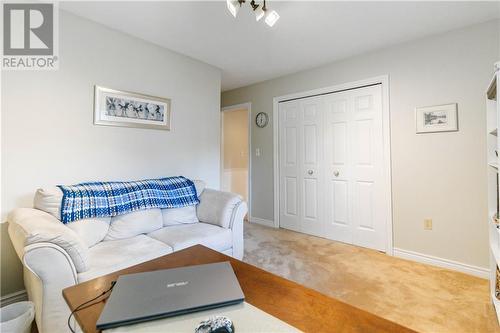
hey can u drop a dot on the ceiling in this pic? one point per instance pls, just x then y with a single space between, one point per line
308 34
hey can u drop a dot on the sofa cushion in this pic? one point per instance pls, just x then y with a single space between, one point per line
175 216
49 199
91 231
185 235
216 207
135 223
111 256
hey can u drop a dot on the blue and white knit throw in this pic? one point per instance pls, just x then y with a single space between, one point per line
103 199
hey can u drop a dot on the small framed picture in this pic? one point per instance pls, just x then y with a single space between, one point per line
438 118
127 109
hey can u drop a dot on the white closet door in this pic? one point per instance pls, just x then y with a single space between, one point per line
356 199
301 155
370 210
332 180
311 174
338 174
289 132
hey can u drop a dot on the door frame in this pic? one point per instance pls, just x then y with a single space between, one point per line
386 127
248 107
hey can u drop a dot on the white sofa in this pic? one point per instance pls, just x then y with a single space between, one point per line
57 255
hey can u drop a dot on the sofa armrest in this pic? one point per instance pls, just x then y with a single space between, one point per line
48 269
29 226
238 218
217 207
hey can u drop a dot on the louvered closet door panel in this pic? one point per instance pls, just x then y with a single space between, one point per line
290 161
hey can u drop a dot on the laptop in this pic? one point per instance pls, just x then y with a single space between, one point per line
165 293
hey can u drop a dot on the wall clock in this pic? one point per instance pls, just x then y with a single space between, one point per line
262 119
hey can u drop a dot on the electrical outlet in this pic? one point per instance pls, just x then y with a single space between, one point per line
428 224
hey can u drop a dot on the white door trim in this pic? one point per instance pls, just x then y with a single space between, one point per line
248 107
384 81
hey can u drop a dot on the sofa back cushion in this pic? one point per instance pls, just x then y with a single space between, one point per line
94 230
135 223
91 231
176 216
49 200
183 215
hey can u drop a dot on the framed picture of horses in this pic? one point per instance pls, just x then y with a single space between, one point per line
127 109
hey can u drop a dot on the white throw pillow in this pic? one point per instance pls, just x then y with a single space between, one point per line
175 216
49 200
92 230
135 223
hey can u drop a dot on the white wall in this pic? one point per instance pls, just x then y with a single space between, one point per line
440 176
47 132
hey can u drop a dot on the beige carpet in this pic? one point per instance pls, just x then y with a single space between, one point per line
422 297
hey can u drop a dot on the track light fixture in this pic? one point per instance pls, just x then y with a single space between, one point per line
260 10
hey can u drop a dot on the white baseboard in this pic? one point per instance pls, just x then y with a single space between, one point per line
267 223
443 263
18 296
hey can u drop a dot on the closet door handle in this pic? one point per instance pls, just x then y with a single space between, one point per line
310 172
336 173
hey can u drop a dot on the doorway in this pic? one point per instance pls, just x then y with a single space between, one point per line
235 148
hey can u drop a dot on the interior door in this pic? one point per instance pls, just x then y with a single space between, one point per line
301 169
356 200
332 179
311 168
289 132
370 209
338 160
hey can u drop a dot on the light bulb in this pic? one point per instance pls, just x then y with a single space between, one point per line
272 18
259 13
233 6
